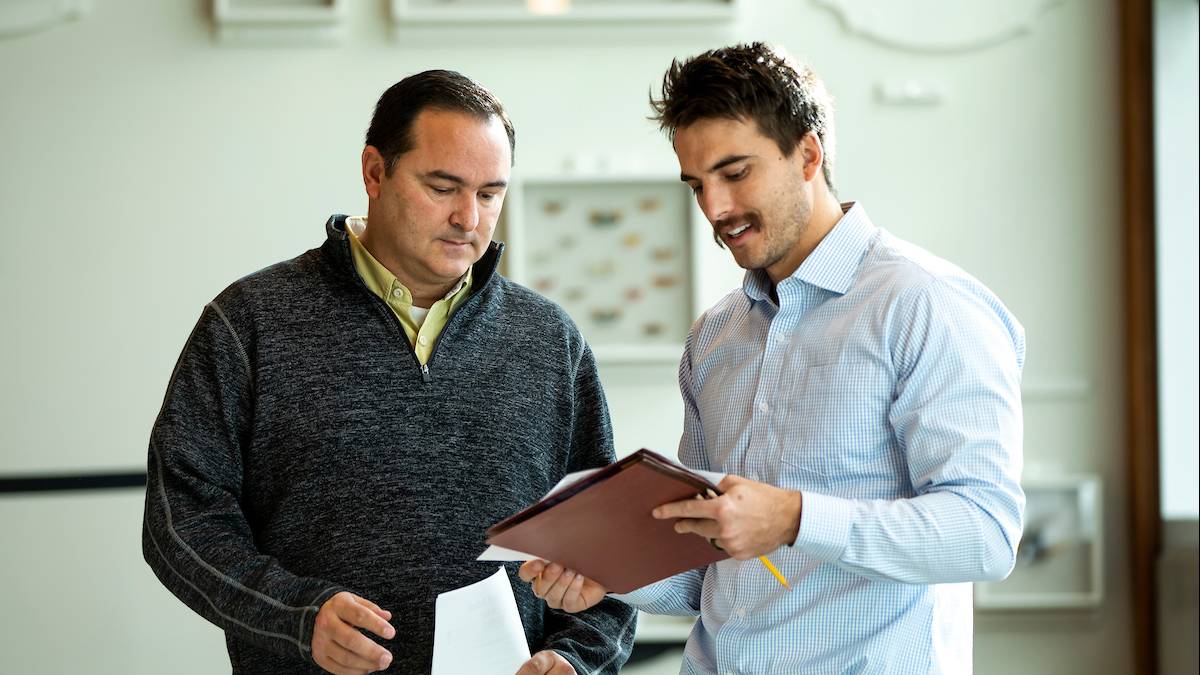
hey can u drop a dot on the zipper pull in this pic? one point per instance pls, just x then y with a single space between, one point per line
425 376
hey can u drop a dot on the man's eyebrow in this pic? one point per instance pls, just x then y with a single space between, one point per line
443 175
722 163
458 180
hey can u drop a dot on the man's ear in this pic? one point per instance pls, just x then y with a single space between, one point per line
373 170
812 153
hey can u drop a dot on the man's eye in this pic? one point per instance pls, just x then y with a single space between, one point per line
739 174
696 189
441 190
487 196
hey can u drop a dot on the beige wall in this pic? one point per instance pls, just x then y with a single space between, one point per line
147 166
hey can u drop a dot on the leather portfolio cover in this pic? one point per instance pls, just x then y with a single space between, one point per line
601 527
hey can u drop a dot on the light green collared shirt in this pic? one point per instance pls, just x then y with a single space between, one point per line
420 325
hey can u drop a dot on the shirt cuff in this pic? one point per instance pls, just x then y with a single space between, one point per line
825 524
644 595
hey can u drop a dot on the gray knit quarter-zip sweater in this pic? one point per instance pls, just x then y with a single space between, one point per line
302 450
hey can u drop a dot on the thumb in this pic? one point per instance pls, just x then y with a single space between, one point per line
544 661
729 481
531 569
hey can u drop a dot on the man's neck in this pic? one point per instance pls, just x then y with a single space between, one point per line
424 295
826 213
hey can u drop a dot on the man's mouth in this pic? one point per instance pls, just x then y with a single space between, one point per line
732 235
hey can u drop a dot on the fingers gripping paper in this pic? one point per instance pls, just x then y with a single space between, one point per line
477 629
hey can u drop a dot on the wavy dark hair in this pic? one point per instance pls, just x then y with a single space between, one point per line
755 81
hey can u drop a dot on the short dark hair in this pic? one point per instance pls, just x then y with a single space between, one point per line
391 125
756 82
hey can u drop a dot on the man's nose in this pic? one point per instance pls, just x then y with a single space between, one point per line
466 213
716 203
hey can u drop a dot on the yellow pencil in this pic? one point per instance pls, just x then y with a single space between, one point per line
762 558
771 568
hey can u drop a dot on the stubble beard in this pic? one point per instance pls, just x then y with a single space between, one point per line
780 236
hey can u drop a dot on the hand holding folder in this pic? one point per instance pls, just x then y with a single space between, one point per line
601 526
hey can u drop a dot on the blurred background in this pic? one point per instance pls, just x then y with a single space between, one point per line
156 151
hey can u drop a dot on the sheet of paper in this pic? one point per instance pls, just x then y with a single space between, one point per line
499 554
477 629
570 479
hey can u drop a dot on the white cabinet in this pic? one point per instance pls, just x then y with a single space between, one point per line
1060 558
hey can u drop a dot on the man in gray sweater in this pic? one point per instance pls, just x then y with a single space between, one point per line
341 428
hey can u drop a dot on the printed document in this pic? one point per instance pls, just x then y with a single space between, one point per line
477 629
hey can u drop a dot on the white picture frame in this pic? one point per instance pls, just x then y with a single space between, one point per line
1060 561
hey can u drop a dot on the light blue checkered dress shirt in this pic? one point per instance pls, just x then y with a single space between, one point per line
885 386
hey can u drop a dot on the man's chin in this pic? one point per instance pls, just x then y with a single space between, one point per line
456 265
748 262
453 269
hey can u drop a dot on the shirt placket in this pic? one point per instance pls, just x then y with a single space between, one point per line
753 582
424 337
737 629
765 391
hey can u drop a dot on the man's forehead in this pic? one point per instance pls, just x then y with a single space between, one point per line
712 129
704 143
461 144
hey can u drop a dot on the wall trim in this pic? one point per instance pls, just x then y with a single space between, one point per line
15 484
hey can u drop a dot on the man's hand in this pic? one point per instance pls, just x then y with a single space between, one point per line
560 588
337 645
749 520
547 662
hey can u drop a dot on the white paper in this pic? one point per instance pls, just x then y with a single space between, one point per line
712 476
501 554
477 629
570 479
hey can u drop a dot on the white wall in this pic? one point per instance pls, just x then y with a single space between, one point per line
146 167
1177 173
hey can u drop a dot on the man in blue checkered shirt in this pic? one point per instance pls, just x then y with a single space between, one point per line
862 395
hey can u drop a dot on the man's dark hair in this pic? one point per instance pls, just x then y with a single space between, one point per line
758 82
391 125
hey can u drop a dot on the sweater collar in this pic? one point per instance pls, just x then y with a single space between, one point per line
337 243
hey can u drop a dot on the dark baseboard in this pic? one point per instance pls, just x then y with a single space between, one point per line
71 482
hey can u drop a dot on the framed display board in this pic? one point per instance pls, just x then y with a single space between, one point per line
1060 558
615 252
560 11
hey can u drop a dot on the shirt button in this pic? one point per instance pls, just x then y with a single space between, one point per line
763 407
397 292
741 614
423 340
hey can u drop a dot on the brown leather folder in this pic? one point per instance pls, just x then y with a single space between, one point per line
601 527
